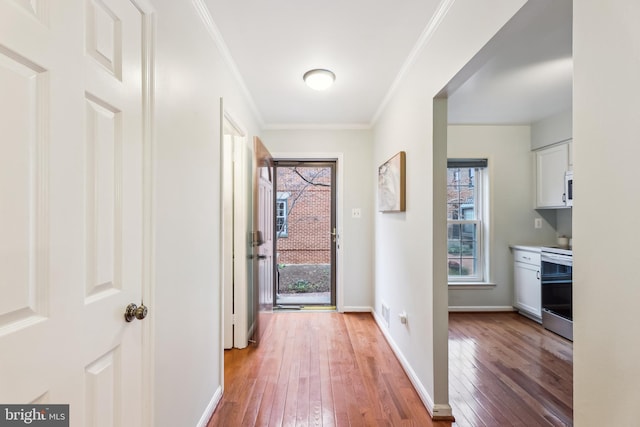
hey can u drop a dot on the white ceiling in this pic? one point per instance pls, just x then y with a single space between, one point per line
524 74
366 44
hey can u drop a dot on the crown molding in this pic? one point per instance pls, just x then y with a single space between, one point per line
317 126
216 35
430 29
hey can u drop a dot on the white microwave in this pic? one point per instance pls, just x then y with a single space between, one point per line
568 188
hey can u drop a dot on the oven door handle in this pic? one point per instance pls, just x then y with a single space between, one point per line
557 259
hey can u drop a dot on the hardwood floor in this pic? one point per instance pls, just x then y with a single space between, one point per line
331 369
505 370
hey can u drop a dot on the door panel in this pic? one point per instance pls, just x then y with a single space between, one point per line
72 197
262 238
265 251
23 217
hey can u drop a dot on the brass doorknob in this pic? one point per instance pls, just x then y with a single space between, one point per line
134 312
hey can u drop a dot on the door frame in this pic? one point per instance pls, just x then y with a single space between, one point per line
148 279
339 188
232 134
333 224
233 151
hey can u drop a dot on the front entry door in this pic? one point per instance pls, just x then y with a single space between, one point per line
306 234
73 79
263 238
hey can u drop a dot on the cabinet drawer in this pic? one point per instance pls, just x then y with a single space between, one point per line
527 257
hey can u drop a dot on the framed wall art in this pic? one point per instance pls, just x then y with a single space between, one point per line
391 184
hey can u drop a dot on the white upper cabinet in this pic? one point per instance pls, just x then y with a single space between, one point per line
551 164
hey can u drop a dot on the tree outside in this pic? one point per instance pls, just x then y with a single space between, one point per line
303 227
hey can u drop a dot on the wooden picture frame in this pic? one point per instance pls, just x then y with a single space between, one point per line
392 183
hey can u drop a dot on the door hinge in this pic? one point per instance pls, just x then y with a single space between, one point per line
233 319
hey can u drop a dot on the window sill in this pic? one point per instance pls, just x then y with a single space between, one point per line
471 285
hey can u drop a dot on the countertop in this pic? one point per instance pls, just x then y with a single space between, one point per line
538 248
529 248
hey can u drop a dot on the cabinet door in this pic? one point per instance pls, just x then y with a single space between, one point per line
551 164
527 288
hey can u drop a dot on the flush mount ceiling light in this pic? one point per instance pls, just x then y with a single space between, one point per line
319 79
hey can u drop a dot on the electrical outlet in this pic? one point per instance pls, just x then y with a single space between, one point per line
356 213
403 317
537 223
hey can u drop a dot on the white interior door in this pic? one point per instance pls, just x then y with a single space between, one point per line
72 76
227 238
242 225
233 142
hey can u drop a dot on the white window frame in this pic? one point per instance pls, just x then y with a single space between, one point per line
481 276
282 198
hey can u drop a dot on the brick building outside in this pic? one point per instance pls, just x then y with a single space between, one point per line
303 215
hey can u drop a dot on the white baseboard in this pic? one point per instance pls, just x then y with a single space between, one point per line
356 309
439 410
481 308
211 407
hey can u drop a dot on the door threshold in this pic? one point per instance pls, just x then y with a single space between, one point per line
320 307
287 307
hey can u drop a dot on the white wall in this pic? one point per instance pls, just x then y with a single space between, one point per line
606 256
511 205
551 130
191 77
356 239
564 222
406 277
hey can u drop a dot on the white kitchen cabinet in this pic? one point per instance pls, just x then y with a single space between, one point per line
527 291
551 165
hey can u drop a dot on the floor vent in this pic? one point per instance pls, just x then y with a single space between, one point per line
385 314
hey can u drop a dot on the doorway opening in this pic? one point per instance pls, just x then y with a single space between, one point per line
305 234
456 135
237 291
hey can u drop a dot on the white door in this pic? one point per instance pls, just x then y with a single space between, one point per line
72 79
263 240
265 251
233 240
227 236
242 225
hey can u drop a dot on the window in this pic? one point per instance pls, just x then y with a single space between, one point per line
467 220
281 217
